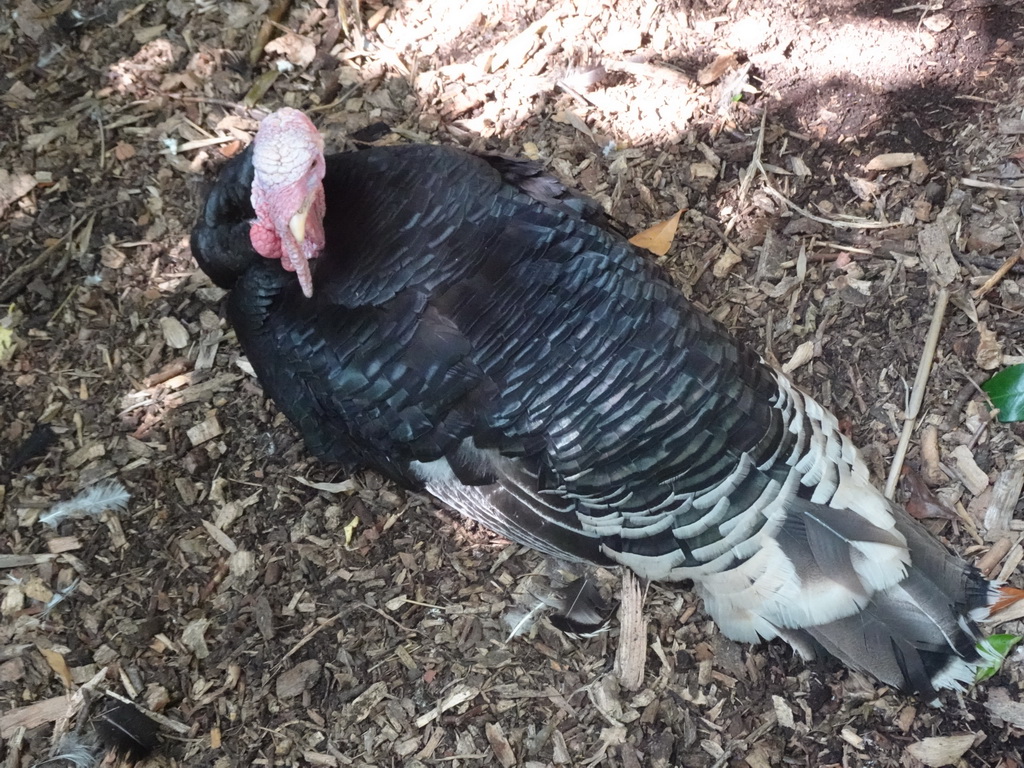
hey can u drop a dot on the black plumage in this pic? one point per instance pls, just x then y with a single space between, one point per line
478 332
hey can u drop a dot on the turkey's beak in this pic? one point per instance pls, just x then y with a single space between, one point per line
297 224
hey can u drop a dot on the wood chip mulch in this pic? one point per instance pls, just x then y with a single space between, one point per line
835 167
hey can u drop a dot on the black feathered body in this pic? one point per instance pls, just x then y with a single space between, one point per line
477 333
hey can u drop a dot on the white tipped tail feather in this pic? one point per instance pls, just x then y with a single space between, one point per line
820 558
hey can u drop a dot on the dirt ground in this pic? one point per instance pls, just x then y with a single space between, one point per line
270 611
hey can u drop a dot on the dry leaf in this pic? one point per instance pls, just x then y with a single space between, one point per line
937 751
145 35
299 678
922 502
242 567
225 541
717 68
989 355
58 665
14 186
799 166
31 19
350 529
296 49
658 239
17 94
112 258
938 22
1001 706
8 343
502 749
801 355
124 151
863 188
345 486
260 86
568 117
174 332
725 263
193 637
890 160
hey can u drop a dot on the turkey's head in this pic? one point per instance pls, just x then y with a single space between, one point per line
288 192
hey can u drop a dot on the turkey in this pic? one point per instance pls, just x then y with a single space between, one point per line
468 326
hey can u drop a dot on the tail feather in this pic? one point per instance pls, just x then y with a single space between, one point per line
919 634
816 565
891 602
842 546
867 642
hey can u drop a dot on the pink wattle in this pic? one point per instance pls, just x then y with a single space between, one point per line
288 172
264 240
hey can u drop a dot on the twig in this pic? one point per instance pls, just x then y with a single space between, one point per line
188 146
919 7
39 260
392 619
983 100
862 224
166 722
852 249
71 294
978 184
980 430
998 275
75 703
217 102
755 167
707 223
917 393
755 163
343 19
309 636
98 117
277 12
330 621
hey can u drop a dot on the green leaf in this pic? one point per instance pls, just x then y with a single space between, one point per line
994 650
1006 390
